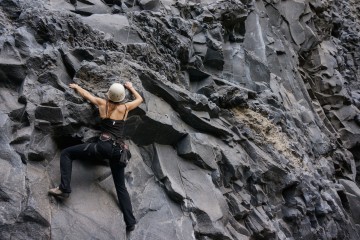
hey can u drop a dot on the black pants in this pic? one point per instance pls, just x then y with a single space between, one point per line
105 150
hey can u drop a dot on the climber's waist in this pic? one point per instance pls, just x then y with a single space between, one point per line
105 136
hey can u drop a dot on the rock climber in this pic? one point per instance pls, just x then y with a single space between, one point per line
113 113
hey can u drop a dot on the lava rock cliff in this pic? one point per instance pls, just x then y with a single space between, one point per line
250 126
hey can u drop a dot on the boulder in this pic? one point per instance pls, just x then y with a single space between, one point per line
193 148
353 197
13 72
115 25
149 4
189 181
51 114
214 59
90 7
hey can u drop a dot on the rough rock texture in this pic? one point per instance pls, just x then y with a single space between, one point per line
250 127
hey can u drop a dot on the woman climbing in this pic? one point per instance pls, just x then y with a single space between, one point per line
113 114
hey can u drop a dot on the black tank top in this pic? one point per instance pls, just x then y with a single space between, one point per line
114 127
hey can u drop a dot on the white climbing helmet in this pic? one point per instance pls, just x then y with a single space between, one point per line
116 92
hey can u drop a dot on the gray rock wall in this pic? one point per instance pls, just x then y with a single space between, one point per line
250 128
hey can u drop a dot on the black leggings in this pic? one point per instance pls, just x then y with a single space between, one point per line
105 150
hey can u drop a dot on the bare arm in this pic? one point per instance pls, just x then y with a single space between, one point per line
85 94
138 99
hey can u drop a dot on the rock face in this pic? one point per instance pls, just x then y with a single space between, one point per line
250 128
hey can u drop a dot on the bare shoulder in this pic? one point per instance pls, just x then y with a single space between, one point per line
132 105
100 101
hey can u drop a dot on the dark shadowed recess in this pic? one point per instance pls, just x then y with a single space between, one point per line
12 75
356 153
